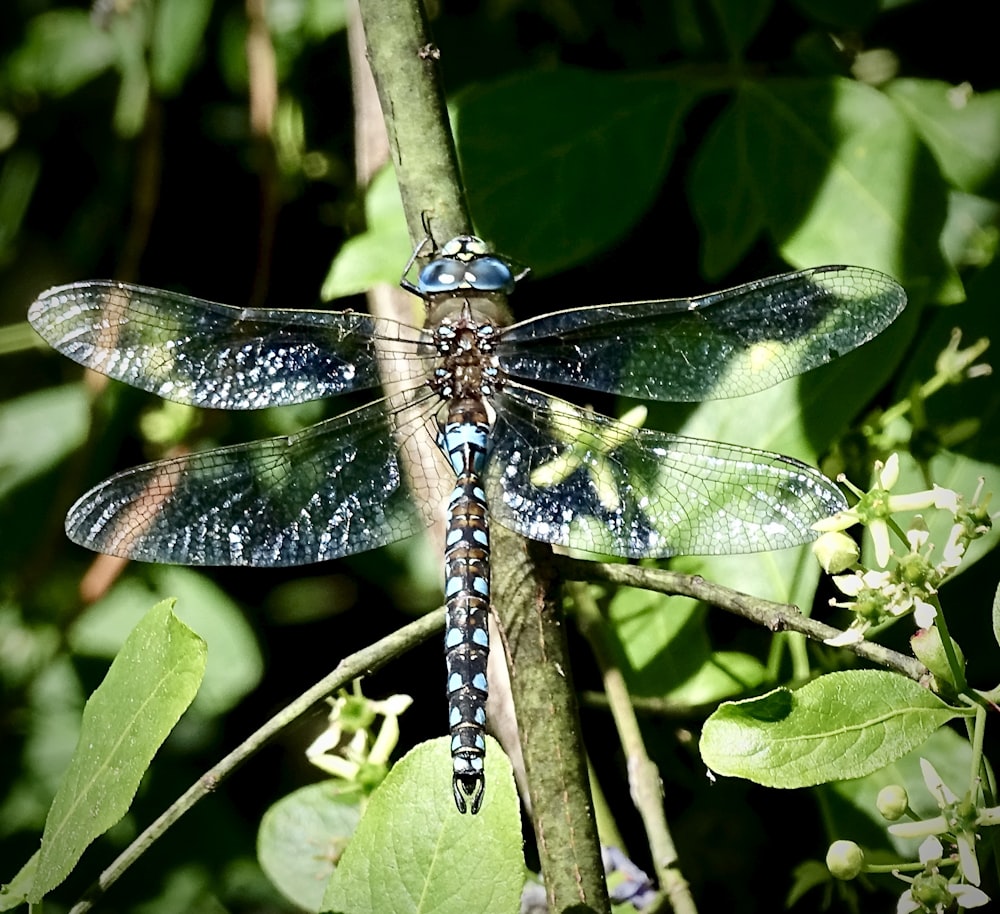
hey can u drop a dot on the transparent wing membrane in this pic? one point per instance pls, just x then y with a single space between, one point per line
334 489
459 434
727 344
563 475
212 355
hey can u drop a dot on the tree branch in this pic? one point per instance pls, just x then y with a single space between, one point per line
525 599
778 617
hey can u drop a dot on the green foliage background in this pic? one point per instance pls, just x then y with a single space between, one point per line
625 151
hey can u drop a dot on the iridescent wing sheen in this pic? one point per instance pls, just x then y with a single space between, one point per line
213 355
563 475
331 490
727 344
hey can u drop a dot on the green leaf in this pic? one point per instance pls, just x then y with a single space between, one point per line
133 95
178 36
376 255
57 701
668 652
234 666
62 51
413 851
740 20
852 808
147 688
728 213
842 725
18 178
15 892
837 173
38 430
808 875
970 237
584 152
961 128
302 837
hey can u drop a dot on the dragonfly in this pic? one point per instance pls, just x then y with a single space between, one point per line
462 391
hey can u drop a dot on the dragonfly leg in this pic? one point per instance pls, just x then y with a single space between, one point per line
426 242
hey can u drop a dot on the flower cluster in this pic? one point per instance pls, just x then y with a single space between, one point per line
931 892
946 874
956 826
346 748
911 585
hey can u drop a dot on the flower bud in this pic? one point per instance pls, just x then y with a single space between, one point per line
845 859
892 802
835 552
928 649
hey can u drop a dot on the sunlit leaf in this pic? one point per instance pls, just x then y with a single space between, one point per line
855 808
669 654
842 725
379 253
63 51
15 892
178 37
149 685
834 170
234 665
961 127
38 430
412 848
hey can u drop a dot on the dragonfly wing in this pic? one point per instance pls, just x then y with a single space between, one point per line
213 355
331 490
727 344
559 474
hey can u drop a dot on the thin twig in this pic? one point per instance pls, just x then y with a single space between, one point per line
644 777
776 617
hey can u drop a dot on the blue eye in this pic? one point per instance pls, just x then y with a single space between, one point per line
491 275
484 274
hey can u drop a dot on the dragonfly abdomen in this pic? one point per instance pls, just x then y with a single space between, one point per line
467 599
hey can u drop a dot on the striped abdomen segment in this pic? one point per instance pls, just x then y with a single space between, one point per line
467 600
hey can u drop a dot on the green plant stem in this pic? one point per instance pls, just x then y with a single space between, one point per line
891 868
19 337
937 382
644 779
363 663
980 770
978 734
981 766
954 664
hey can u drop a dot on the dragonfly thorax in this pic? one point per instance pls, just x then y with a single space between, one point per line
469 368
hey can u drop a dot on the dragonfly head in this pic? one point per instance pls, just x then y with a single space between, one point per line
465 263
